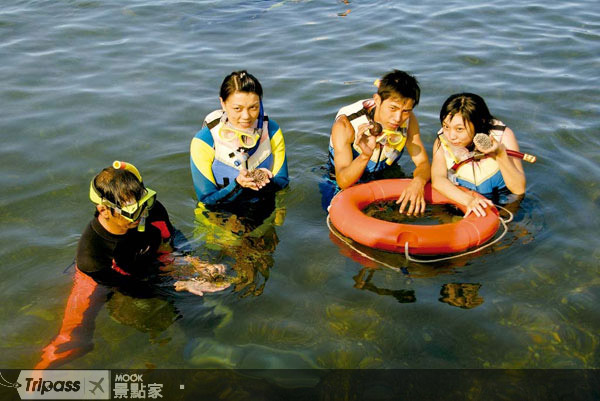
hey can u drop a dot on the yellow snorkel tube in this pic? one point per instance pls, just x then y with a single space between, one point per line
119 165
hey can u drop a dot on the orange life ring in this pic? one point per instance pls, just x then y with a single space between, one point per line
347 217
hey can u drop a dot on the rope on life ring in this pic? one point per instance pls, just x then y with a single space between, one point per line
411 259
345 214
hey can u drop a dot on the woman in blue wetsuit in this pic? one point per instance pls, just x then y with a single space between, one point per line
457 160
238 157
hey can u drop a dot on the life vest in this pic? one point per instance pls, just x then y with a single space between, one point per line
228 159
483 175
359 113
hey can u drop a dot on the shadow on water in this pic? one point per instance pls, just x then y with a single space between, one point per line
245 239
523 228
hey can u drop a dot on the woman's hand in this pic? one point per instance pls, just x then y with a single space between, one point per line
245 180
261 176
255 179
477 205
486 144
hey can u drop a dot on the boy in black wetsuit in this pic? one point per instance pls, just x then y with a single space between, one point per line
127 245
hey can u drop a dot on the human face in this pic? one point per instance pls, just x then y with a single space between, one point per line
123 223
242 109
458 131
392 112
113 222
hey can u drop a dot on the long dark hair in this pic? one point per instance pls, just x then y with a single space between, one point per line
472 108
240 81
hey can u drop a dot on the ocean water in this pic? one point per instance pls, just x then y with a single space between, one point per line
87 82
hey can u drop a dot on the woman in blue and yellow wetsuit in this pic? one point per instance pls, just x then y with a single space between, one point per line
457 160
239 154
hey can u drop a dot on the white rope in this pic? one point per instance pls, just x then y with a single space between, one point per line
358 251
411 259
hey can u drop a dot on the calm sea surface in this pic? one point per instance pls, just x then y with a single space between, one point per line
86 82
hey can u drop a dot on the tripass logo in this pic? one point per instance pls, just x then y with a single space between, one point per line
64 385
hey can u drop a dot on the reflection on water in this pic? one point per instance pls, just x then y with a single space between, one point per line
363 282
247 237
147 315
465 295
462 295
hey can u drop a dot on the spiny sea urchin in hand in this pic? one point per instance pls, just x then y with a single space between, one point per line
258 175
482 141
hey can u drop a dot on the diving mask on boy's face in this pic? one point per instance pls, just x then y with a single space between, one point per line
247 138
131 212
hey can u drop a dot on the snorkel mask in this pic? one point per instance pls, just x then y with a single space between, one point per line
247 137
395 139
134 211
392 138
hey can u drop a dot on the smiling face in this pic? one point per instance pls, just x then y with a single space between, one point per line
458 131
242 109
392 112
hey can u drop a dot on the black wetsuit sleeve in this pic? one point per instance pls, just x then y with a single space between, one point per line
94 256
119 261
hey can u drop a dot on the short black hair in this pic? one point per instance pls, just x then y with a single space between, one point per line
399 83
119 186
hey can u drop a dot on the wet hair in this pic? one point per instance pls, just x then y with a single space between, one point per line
119 186
472 108
399 83
240 81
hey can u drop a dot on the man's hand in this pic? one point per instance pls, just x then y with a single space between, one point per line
364 140
414 197
200 287
261 176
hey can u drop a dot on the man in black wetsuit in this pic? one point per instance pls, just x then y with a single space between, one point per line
126 245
